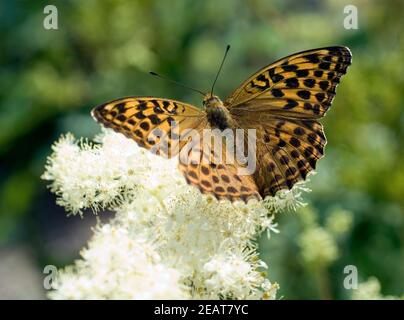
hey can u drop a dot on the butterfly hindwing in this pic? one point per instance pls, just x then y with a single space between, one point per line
287 150
217 176
152 122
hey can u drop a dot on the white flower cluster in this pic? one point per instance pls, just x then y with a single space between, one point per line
371 290
167 240
117 265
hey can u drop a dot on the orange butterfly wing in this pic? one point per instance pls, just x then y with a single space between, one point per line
153 123
214 173
283 102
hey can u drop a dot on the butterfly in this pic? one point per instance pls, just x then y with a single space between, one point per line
283 103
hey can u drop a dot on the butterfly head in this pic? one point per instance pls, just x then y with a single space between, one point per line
210 101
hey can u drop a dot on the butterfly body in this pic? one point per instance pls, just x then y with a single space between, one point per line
218 115
283 102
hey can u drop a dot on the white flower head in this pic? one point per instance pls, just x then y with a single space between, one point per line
371 290
318 247
167 240
287 200
235 274
117 265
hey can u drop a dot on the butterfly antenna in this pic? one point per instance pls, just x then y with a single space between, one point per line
175 82
220 68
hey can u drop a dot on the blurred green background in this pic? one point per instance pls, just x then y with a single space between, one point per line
50 79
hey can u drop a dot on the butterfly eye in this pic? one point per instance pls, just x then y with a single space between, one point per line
207 101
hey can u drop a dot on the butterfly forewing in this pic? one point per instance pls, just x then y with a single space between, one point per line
152 122
301 85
